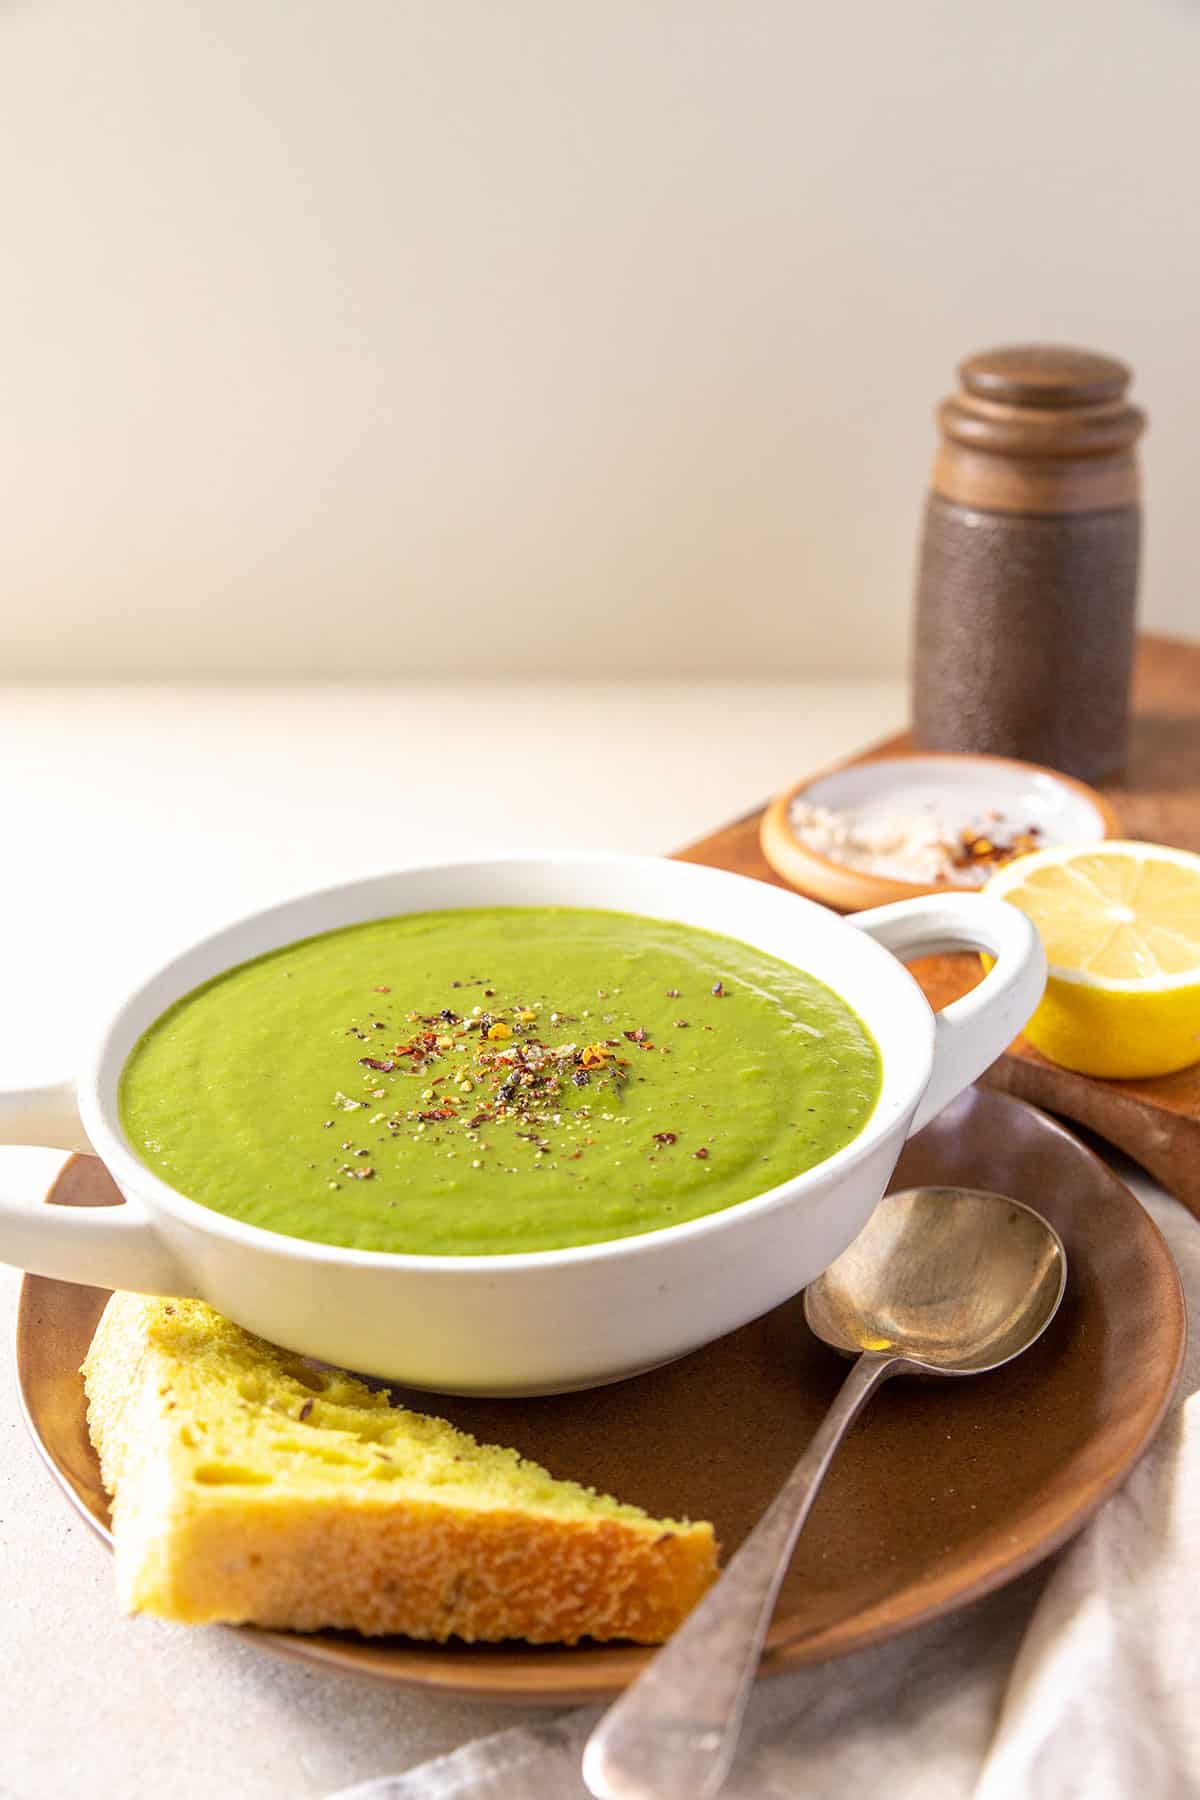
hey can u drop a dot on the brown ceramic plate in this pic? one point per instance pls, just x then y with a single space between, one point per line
942 1492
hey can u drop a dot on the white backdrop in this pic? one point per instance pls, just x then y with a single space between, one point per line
582 335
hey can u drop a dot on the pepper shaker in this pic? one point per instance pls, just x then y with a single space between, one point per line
1027 582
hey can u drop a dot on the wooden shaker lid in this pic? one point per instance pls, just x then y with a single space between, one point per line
1044 375
1039 428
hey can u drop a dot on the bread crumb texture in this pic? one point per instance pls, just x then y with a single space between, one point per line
249 1486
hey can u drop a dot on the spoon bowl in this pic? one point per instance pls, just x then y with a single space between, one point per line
957 1279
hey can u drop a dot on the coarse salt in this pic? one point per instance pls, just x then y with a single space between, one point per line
918 845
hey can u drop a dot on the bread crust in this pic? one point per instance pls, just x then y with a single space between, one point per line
361 1555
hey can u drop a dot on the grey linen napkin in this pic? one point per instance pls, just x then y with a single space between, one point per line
1081 1679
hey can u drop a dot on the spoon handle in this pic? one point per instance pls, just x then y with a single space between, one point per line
673 1733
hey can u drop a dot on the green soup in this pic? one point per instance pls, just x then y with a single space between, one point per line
495 1080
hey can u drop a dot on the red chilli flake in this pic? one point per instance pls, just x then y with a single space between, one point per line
668 1137
382 990
423 1046
701 1154
718 989
374 1062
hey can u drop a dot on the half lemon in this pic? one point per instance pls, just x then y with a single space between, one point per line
1120 923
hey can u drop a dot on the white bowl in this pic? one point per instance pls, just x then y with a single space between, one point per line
550 1320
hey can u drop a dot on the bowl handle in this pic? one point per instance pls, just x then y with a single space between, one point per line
101 1246
972 1032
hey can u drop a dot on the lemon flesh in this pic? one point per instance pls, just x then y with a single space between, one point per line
1120 923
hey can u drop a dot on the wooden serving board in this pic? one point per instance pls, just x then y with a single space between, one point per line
1156 1122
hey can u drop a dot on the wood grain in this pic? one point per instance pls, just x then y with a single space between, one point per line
1156 1122
1053 377
1039 428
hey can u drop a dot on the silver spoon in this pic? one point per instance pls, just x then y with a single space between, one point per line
942 1281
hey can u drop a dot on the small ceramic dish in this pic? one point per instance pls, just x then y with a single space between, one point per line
965 792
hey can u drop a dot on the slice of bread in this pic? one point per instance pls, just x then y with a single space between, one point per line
252 1487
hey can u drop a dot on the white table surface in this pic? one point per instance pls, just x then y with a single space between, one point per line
138 816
